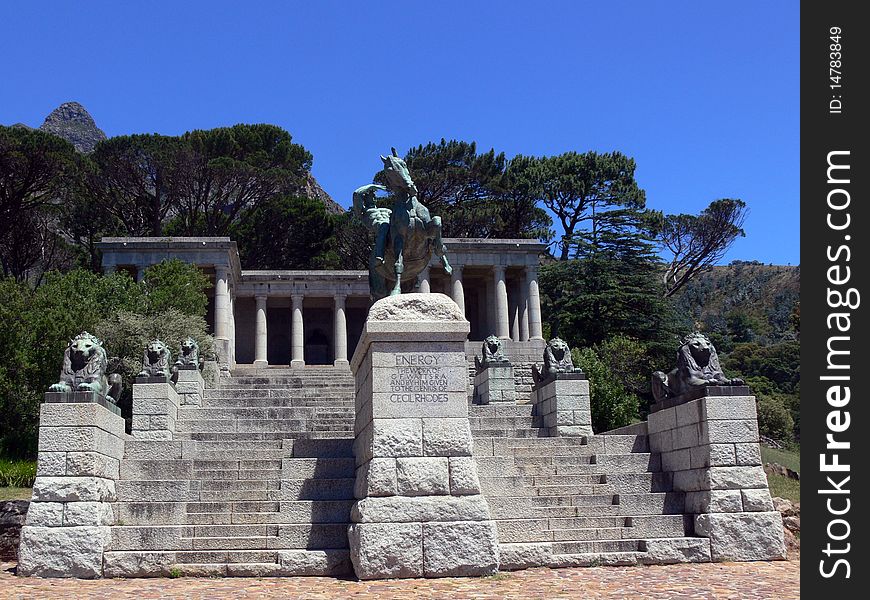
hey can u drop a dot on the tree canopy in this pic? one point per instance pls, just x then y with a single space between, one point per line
698 242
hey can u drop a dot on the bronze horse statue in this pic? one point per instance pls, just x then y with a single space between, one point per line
406 235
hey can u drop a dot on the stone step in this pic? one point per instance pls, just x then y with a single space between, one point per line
317 489
490 423
199 469
230 453
239 436
513 433
302 413
232 402
501 409
327 468
323 448
239 426
575 500
597 546
233 563
172 537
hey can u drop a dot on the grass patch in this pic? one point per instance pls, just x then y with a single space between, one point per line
784 487
787 458
17 473
15 493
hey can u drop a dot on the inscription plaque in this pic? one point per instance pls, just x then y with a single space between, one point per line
420 384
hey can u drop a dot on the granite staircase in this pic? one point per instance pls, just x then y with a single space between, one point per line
563 501
257 481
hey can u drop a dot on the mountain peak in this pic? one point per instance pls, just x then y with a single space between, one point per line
73 122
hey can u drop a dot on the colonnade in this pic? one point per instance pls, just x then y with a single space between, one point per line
510 309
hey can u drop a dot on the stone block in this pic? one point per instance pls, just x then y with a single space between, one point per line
393 438
664 551
747 454
463 476
460 549
447 437
712 455
138 564
157 435
397 405
729 432
428 476
377 477
729 407
743 536
314 563
692 480
51 464
45 514
80 415
678 460
710 501
574 430
74 489
757 500
63 551
92 464
403 509
80 439
689 413
169 450
662 420
386 550
87 513
524 556
730 478
687 436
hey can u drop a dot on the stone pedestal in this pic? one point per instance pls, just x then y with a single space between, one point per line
562 401
494 382
419 511
710 444
68 522
155 411
189 385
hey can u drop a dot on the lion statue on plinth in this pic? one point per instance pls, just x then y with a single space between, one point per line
155 361
697 366
189 353
493 352
84 369
557 359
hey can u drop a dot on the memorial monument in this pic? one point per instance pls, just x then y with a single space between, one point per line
381 465
406 235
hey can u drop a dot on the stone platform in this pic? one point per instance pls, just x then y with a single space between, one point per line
260 476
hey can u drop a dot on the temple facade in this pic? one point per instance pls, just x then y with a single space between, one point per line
298 318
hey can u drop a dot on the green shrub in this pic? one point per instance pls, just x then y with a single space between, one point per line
774 418
36 326
612 405
17 473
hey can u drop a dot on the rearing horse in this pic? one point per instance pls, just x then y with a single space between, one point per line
414 235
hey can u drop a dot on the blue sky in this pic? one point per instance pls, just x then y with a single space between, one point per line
703 95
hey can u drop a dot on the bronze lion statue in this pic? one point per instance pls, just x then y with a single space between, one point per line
557 359
189 353
697 366
84 369
493 352
155 361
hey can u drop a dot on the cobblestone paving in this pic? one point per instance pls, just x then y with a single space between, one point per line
743 581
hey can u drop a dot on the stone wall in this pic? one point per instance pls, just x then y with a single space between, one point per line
419 511
563 404
81 444
711 447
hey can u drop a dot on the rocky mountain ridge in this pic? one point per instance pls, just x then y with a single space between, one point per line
72 122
